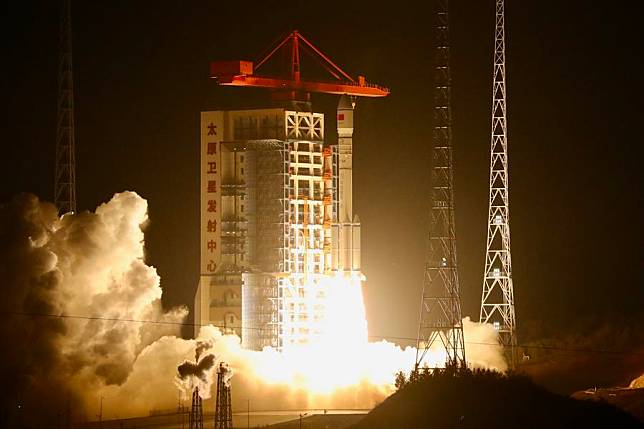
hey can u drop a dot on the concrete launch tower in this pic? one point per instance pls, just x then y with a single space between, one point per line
277 219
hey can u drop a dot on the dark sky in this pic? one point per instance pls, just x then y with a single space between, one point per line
575 132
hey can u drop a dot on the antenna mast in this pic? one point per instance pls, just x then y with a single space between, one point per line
65 176
497 301
440 310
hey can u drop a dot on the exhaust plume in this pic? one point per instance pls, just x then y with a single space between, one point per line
188 369
201 347
92 265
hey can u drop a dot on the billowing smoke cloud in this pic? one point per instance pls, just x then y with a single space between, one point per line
92 264
87 264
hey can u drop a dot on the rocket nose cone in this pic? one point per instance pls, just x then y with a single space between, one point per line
345 103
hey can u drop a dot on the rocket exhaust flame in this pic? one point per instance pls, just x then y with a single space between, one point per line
93 263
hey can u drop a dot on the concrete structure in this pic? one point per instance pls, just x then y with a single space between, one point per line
276 222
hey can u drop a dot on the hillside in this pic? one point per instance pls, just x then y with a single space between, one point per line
488 400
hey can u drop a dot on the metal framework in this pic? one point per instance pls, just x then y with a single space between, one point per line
65 171
243 73
223 407
269 190
301 292
195 419
497 301
440 310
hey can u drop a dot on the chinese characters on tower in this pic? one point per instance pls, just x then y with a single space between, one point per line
210 192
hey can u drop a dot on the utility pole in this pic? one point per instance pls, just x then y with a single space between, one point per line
440 308
497 300
65 175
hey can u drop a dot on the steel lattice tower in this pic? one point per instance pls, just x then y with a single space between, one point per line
195 419
65 176
497 301
223 402
440 311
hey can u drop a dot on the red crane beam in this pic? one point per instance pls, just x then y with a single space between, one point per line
242 73
349 88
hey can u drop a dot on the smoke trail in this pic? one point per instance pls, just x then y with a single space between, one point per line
199 370
201 347
92 264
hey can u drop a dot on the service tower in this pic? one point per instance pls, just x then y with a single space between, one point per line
277 219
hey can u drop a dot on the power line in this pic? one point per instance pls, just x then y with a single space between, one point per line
168 322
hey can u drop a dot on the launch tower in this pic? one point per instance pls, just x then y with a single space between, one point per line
440 311
497 301
277 219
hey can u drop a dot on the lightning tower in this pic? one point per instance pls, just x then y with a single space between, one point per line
65 176
195 418
497 301
440 310
223 402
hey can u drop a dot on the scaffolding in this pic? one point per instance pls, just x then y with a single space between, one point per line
302 294
268 241
277 205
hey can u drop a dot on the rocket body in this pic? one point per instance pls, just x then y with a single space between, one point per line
346 229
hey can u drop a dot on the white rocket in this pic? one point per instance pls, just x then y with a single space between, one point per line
346 229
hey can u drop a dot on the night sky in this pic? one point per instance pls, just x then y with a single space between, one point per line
574 73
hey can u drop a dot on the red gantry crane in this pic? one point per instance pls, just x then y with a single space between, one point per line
244 73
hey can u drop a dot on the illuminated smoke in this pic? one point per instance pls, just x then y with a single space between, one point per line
228 373
88 264
92 264
201 347
637 383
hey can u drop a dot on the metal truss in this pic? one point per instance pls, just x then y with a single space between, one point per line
223 400
440 310
304 126
497 300
65 176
